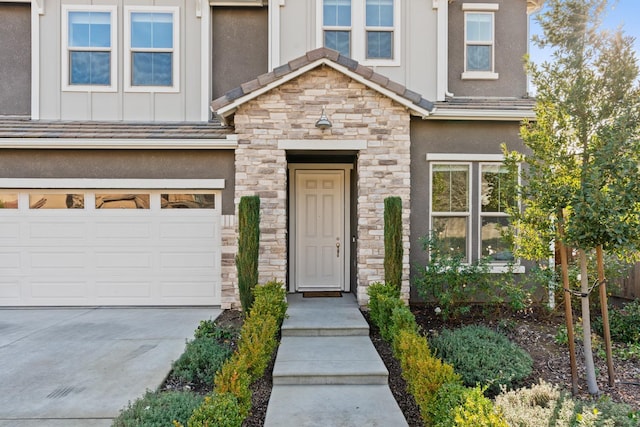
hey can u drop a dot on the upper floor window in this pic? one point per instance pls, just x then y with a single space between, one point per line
479 39
365 30
151 40
89 40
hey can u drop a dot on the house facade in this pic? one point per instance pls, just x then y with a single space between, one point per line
129 131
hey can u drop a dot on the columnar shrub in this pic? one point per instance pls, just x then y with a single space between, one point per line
393 241
483 356
248 248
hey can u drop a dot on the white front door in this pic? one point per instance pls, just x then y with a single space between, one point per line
319 230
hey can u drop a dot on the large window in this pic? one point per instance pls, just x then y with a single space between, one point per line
450 206
151 39
89 38
471 224
365 30
496 197
479 40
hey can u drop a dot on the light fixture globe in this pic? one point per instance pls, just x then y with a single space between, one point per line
323 122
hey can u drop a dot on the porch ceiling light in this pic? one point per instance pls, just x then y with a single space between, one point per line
323 122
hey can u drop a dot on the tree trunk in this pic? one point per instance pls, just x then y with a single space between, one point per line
605 315
586 325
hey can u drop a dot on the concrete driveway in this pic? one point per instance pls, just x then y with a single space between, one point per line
79 367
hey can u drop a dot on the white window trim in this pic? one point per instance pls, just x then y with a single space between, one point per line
516 262
359 30
468 214
64 61
486 8
175 10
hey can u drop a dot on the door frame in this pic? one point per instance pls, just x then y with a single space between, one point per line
293 167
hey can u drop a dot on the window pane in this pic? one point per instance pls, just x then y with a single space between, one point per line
90 68
498 189
56 201
450 188
122 201
8 201
152 30
188 201
152 69
338 40
452 231
479 27
89 29
380 44
478 58
493 245
336 13
379 13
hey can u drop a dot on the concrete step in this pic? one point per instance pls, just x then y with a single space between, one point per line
328 360
333 405
325 317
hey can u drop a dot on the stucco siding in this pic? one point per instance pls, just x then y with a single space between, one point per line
511 27
124 164
15 59
239 46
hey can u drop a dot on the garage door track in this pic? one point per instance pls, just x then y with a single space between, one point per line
80 367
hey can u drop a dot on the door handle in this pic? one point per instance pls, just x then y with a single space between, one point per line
337 249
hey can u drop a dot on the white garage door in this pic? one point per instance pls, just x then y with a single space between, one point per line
109 247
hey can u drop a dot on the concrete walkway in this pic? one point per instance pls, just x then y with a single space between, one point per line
327 371
80 367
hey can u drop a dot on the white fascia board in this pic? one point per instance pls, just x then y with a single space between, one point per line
99 183
120 144
463 114
464 157
230 108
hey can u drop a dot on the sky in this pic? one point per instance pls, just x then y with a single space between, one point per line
620 12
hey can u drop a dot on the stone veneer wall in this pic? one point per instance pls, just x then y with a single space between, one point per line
289 112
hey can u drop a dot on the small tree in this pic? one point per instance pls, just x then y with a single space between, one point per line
248 246
393 241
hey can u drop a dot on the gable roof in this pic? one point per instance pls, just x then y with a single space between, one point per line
226 105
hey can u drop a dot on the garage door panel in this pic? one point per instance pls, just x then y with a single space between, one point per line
177 289
122 260
9 289
181 260
118 230
192 230
63 291
9 230
58 260
123 289
61 230
9 261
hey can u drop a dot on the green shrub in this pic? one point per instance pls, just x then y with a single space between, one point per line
606 413
209 329
624 323
379 294
446 400
158 409
270 298
257 343
248 248
201 359
478 411
233 378
424 373
393 241
483 356
401 318
218 410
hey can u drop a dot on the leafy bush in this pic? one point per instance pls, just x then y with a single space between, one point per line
545 405
381 297
201 359
624 323
158 409
218 410
447 399
257 343
248 248
483 356
424 373
270 298
393 241
209 329
234 379
478 411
